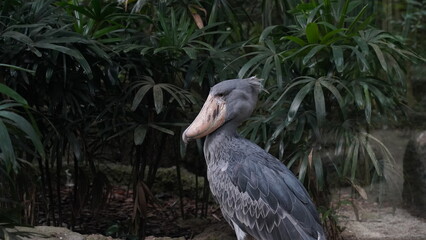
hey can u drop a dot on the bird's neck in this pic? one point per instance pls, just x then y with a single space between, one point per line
226 131
217 141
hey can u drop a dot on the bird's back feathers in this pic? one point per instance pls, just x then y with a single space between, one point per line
260 195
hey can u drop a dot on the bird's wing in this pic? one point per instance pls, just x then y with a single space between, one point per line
267 201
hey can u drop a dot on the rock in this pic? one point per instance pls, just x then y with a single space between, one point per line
390 190
51 233
378 222
45 233
163 238
98 237
414 190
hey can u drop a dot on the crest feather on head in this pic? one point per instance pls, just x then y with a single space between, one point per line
256 83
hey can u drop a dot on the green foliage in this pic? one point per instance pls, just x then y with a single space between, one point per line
66 72
97 20
14 129
331 77
97 73
109 83
15 134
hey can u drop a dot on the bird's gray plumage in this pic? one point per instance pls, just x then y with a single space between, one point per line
257 194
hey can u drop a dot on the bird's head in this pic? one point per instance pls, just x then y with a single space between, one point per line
228 101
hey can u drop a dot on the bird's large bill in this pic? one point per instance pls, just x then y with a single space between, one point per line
211 117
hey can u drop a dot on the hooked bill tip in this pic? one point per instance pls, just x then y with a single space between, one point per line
211 116
185 138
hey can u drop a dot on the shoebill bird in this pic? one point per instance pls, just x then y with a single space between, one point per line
259 197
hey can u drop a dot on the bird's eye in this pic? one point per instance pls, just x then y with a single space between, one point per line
220 95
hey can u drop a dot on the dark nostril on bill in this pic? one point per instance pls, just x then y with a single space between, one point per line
216 111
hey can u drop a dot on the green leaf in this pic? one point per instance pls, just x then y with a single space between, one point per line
267 66
373 158
357 18
266 32
367 104
301 122
79 9
355 160
303 7
297 81
319 103
139 134
213 13
158 98
161 129
293 159
354 6
379 94
362 44
140 94
303 167
295 39
288 54
348 159
319 171
337 95
281 148
278 70
26 127
358 96
312 33
298 99
380 56
312 53
101 32
7 148
278 130
68 51
100 52
112 230
271 46
72 39
12 94
343 14
360 190
338 58
191 52
17 68
362 61
18 36
327 9
4 105
365 23
259 57
178 94
314 13
329 37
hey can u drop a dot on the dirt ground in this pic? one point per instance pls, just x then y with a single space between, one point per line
384 221
381 216
375 221
378 222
